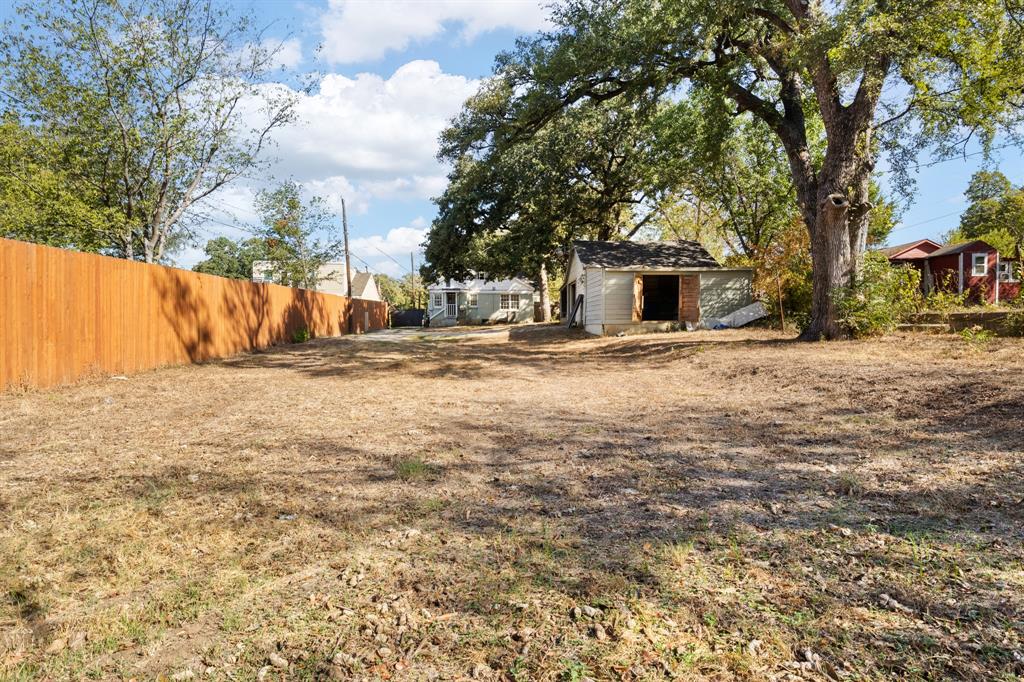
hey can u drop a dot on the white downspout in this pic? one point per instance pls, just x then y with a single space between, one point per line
997 278
961 286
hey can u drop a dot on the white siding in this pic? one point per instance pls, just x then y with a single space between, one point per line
575 268
724 292
594 297
618 297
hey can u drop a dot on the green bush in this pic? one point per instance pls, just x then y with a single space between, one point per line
977 336
883 296
944 298
1014 324
300 335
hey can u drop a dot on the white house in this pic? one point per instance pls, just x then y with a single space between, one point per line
480 301
634 287
331 279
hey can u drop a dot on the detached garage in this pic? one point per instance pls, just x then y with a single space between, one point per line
636 287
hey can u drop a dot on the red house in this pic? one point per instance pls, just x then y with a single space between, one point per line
974 267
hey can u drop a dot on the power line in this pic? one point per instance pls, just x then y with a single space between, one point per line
924 222
392 258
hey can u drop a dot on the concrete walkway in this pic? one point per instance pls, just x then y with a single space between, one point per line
405 334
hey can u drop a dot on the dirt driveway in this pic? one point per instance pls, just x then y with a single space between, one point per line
533 505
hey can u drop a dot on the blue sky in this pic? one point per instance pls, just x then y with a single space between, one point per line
392 73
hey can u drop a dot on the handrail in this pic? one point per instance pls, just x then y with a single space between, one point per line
576 307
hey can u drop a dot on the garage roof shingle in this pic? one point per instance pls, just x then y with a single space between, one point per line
669 254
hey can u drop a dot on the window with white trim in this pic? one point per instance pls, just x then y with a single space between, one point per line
1007 271
979 264
509 302
471 300
437 300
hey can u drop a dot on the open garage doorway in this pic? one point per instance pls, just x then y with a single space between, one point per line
660 298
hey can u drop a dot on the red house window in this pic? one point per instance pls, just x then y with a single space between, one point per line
979 264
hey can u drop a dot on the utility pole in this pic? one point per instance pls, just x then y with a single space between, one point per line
348 264
412 280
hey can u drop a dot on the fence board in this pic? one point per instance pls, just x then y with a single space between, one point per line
65 315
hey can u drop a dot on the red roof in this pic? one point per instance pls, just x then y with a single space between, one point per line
921 248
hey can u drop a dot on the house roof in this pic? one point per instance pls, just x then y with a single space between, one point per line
668 254
953 249
361 281
894 251
516 285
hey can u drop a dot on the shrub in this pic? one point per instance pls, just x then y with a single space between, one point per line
1014 324
882 297
300 335
977 336
944 299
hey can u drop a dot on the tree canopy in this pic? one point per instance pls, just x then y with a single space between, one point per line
298 235
233 259
508 211
152 105
400 293
41 200
995 214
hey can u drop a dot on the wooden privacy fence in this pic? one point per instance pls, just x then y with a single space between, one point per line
65 315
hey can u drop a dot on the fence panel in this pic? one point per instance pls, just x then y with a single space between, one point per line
65 315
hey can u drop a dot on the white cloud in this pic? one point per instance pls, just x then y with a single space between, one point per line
332 189
368 138
355 31
416 186
376 132
398 243
288 53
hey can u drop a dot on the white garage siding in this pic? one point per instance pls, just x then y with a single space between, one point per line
618 297
724 292
593 301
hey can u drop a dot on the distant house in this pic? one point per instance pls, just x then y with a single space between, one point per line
973 267
331 279
481 301
649 286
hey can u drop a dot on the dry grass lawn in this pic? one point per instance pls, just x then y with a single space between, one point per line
711 505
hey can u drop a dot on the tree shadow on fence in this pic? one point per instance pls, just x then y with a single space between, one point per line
207 317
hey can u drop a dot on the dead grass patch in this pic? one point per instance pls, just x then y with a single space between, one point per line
713 506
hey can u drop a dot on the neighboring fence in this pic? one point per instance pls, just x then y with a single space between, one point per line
412 317
65 315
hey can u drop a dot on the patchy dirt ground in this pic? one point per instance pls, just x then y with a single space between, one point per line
711 505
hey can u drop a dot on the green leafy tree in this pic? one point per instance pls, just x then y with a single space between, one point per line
883 296
735 174
297 234
995 214
41 201
400 292
232 259
897 77
157 104
516 210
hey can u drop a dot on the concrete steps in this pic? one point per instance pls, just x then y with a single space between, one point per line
925 327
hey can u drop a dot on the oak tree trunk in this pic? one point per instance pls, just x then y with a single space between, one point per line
831 266
545 296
